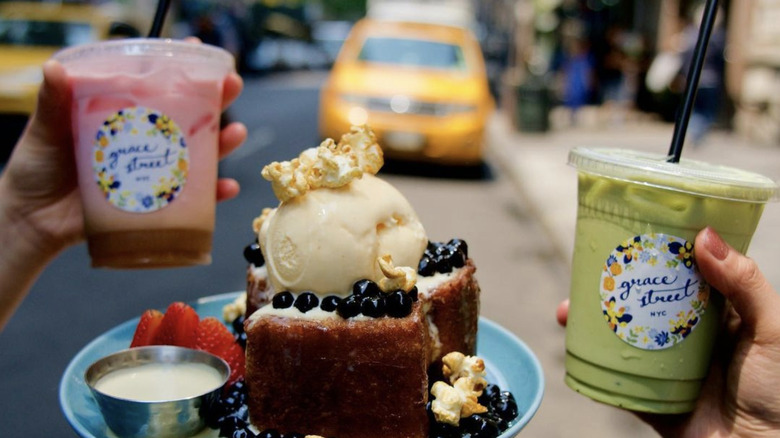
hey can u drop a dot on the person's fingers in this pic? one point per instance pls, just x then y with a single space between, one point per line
231 137
739 279
50 122
562 312
227 188
231 89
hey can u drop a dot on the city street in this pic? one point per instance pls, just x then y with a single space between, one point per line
517 221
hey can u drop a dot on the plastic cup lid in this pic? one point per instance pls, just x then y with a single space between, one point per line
688 176
146 47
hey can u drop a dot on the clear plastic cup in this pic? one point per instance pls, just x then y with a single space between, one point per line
146 120
642 322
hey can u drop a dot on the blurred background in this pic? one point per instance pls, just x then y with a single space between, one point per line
546 61
476 104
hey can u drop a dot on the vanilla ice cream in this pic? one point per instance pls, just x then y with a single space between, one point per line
323 238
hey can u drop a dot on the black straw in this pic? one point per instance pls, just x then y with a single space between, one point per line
159 18
694 73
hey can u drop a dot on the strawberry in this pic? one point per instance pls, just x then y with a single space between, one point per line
234 356
213 336
146 328
178 326
181 326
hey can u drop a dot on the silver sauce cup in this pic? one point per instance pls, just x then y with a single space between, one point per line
170 418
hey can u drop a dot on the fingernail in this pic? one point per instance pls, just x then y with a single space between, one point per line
716 245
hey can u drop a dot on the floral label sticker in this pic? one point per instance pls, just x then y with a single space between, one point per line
652 295
140 159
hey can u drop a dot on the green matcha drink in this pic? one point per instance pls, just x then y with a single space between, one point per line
642 322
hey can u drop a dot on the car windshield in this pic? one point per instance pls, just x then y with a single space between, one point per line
414 53
45 33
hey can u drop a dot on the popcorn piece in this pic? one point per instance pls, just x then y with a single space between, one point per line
452 403
471 406
329 165
258 222
288 178
231 311
467 377
363 141
334 166
397 277
447 403
457 365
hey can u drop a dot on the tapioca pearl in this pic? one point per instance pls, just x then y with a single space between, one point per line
349 307
426 267
443 264
254 255
330 303
365 288
306 301
399 304
269 433
459 245
413 293
491 390
504 405
478 425
373 307
283 300
457 259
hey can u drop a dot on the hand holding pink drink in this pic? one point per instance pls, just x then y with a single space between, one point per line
146 122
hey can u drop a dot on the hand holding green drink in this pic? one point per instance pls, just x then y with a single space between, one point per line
643 321
739 397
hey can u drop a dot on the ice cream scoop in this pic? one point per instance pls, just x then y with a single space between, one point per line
325 238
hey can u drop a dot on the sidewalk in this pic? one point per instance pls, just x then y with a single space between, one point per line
537 163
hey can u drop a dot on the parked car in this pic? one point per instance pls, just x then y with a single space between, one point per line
285 54
421 87
29 34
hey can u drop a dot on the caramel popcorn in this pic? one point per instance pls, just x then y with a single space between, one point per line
459 399
330 165
258 222
451 403
457 365
231 311
396 277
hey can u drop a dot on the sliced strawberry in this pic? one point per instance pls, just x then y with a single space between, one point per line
146 328
235 357
213 336
178 327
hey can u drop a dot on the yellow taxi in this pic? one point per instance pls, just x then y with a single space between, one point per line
29 34
421 87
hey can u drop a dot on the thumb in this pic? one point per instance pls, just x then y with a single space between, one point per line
739 279
50 123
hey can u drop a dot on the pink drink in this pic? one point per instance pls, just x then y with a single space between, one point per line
146 119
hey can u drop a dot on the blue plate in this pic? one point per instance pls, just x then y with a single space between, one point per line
510 364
